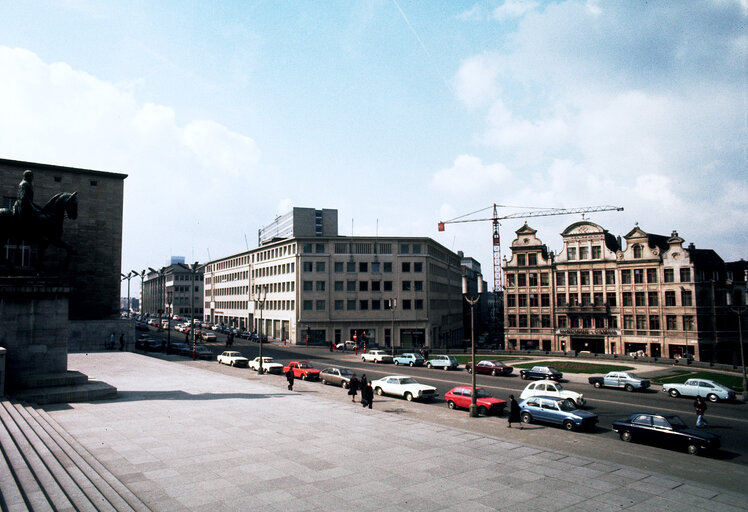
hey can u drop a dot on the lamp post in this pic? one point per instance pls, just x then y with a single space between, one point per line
193 269
472 302
739 310
129 276
141 275
260 298
393 307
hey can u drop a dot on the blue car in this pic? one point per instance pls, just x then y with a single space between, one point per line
557 411
445 362
409 358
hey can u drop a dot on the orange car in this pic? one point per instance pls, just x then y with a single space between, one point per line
302 370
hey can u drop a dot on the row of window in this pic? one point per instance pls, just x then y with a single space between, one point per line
595 277
276 305
277 287
630 322
361 305
628 299
363 286
341 248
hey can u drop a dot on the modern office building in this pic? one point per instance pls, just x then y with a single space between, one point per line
173 290
314 286
650 296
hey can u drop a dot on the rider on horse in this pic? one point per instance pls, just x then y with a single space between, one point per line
24 209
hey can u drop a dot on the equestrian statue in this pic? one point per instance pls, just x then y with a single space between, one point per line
34 225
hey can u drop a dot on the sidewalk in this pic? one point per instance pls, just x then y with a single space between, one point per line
185 438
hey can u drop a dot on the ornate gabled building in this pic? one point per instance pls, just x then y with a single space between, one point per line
650 296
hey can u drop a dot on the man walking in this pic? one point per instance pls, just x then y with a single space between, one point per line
700 406
289 378
514 413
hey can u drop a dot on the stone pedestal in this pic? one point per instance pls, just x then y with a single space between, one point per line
34 331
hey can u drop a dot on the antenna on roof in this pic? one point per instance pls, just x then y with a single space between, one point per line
245 241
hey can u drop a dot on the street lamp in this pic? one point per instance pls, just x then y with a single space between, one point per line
393 307
129 276
739 310
262 295
194 269
141 275
472 302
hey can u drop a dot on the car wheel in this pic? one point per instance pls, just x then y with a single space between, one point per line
345 385
712 397
625 436
674 393
523 376
363 359
493 373
693 448
379 391
482 411
526 417
324 382
451 404
409 397
375 361
232 363
397 363
412 364
428 365
568 425
598 384
446 368
629 388
469 370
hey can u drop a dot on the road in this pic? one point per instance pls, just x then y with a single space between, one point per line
729 420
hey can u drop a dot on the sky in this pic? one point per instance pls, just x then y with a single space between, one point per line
397 113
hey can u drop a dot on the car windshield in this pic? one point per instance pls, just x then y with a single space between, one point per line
566 405
408 380
676 422
559 387
552 369
305 365
346 373
482 393
632 375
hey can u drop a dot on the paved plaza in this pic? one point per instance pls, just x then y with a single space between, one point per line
184 437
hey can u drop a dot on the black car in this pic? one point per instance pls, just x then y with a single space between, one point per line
665 430
541 372
179 348
203 352
149 344
141 326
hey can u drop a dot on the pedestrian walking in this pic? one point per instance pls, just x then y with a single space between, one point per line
362 382
289 378
121 342
353 388
367 395
514 413
700 406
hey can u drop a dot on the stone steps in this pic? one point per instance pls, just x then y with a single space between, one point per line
66 387
44 468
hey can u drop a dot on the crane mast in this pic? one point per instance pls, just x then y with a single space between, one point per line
498 279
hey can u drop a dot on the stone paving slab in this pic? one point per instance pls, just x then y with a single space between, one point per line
185 438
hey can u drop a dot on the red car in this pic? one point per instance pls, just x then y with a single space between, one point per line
460 397
490 367
302 370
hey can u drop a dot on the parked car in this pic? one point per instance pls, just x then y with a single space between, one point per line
141 326
233 358
541 372
461 396
268 365
443 361
712 391
403 386
178 348
490 367
665 430
149 344
202 352
336 376
208 336
552 389
409 358
558 411
626 380
302 370
376 356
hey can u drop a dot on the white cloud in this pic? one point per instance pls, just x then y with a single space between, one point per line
468 175
475 83
512 9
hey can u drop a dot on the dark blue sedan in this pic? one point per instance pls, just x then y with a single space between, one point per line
665 430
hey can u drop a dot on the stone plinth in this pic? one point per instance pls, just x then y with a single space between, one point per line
33 328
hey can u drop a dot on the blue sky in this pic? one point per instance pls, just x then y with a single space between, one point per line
397 113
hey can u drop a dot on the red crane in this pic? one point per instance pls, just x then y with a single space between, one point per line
498 284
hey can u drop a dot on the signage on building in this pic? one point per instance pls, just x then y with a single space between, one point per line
588 332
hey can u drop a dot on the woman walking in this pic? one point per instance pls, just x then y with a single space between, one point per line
514 413
353 388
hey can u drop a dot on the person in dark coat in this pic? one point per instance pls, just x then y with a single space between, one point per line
353 388
122 342
362 386
289 378
514 413
367 395
700 406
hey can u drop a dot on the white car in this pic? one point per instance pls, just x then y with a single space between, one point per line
376 356
553 389
268 366
403 386
233 358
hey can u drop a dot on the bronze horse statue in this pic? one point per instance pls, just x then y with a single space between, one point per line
44 230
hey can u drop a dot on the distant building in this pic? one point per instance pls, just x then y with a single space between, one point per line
173 290
96 235
315 285
176 259
651 296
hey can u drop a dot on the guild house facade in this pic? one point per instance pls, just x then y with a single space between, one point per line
648 296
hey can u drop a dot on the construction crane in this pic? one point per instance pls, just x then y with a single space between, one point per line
498 284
